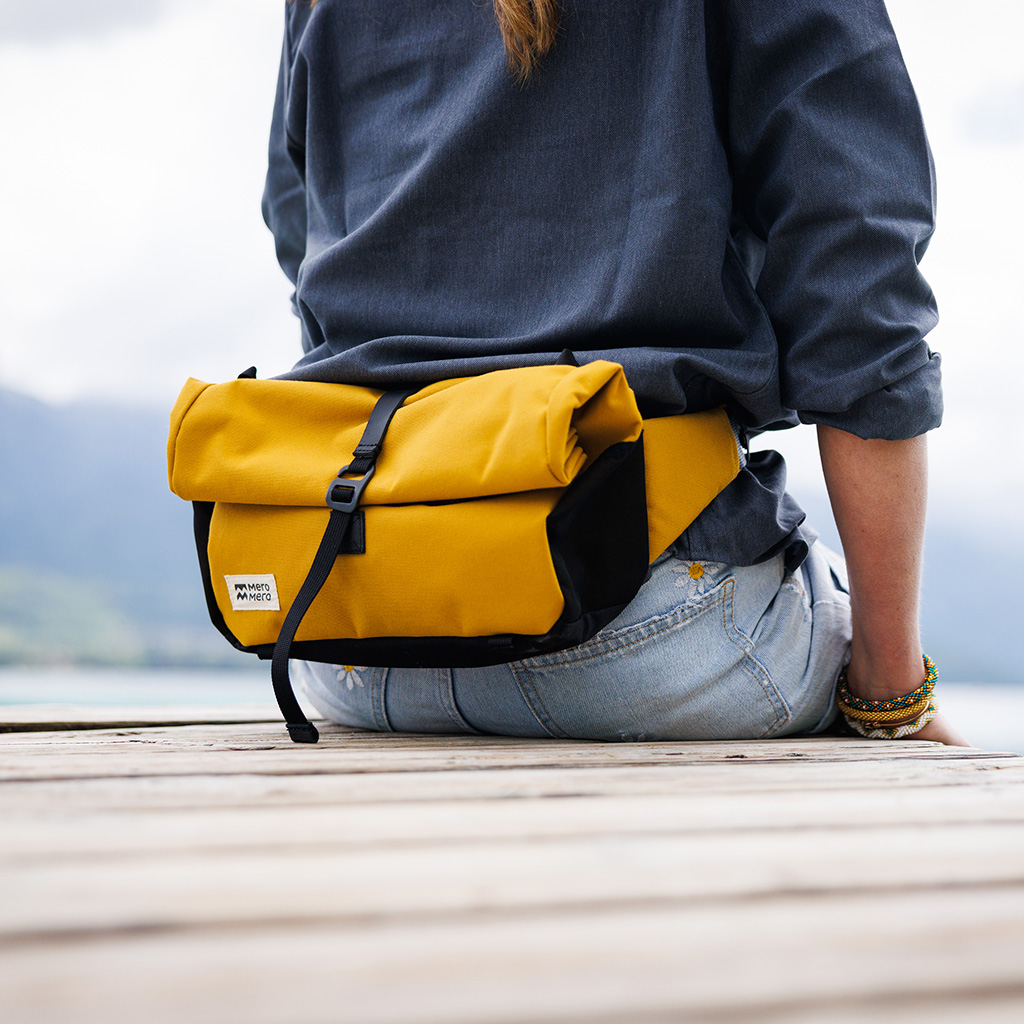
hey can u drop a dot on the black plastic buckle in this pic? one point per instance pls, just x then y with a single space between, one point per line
354 487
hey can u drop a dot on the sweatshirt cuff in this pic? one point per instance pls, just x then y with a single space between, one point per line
903 409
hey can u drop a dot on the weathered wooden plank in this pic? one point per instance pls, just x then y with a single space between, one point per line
218 872
236 786
334 883
260 735
986 1006
897 958
62 832
248 749
67 717
283 763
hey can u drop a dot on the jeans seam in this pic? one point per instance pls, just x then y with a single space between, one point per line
676 617
792 581
750 664
446 697
378 703
536 705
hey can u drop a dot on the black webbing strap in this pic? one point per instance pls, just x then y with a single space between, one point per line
343 497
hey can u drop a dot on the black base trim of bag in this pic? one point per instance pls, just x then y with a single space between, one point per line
444 651
598 538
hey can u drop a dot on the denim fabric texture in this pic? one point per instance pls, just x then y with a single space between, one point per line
729 198
704 651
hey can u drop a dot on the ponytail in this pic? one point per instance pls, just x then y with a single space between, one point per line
528 28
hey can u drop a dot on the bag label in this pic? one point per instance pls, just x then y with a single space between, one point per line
253 593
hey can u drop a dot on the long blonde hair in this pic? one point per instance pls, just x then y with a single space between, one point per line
528 29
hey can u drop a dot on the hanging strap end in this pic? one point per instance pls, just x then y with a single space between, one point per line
303 732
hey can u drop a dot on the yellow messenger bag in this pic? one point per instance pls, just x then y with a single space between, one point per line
473 521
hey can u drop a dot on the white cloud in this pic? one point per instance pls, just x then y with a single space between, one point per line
60 19
135 238
996 115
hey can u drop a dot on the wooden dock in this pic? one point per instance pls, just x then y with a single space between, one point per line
156 870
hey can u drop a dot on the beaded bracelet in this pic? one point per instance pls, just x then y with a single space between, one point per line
890 719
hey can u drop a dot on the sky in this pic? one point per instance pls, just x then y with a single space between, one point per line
134 254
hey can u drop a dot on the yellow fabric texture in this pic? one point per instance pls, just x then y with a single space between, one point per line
271 442
498 449
687 461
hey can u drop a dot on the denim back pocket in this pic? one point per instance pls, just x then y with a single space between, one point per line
674 665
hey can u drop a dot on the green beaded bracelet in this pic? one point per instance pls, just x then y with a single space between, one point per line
859 713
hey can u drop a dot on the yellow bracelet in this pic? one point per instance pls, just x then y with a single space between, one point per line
896 716
893 732
893 718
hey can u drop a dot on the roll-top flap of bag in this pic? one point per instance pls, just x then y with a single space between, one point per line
275 442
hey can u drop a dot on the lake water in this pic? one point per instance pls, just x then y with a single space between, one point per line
989 716
135 687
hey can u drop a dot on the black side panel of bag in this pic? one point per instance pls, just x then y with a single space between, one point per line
202 514
598 536
598 539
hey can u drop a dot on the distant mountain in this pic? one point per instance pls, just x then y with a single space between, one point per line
970 603
97 562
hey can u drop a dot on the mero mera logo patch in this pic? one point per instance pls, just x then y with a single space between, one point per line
253 593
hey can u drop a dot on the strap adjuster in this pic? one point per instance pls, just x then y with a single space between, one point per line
343 496
352 487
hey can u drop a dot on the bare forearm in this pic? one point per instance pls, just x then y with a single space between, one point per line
878 493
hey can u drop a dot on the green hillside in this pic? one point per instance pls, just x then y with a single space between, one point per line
97 563
47 617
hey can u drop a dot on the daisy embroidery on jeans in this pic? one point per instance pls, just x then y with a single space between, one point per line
694 578
349 675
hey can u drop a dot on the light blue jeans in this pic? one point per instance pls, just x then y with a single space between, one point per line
704 651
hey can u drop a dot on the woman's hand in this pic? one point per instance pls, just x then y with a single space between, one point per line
940 731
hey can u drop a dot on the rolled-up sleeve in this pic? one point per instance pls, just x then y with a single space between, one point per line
833 174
